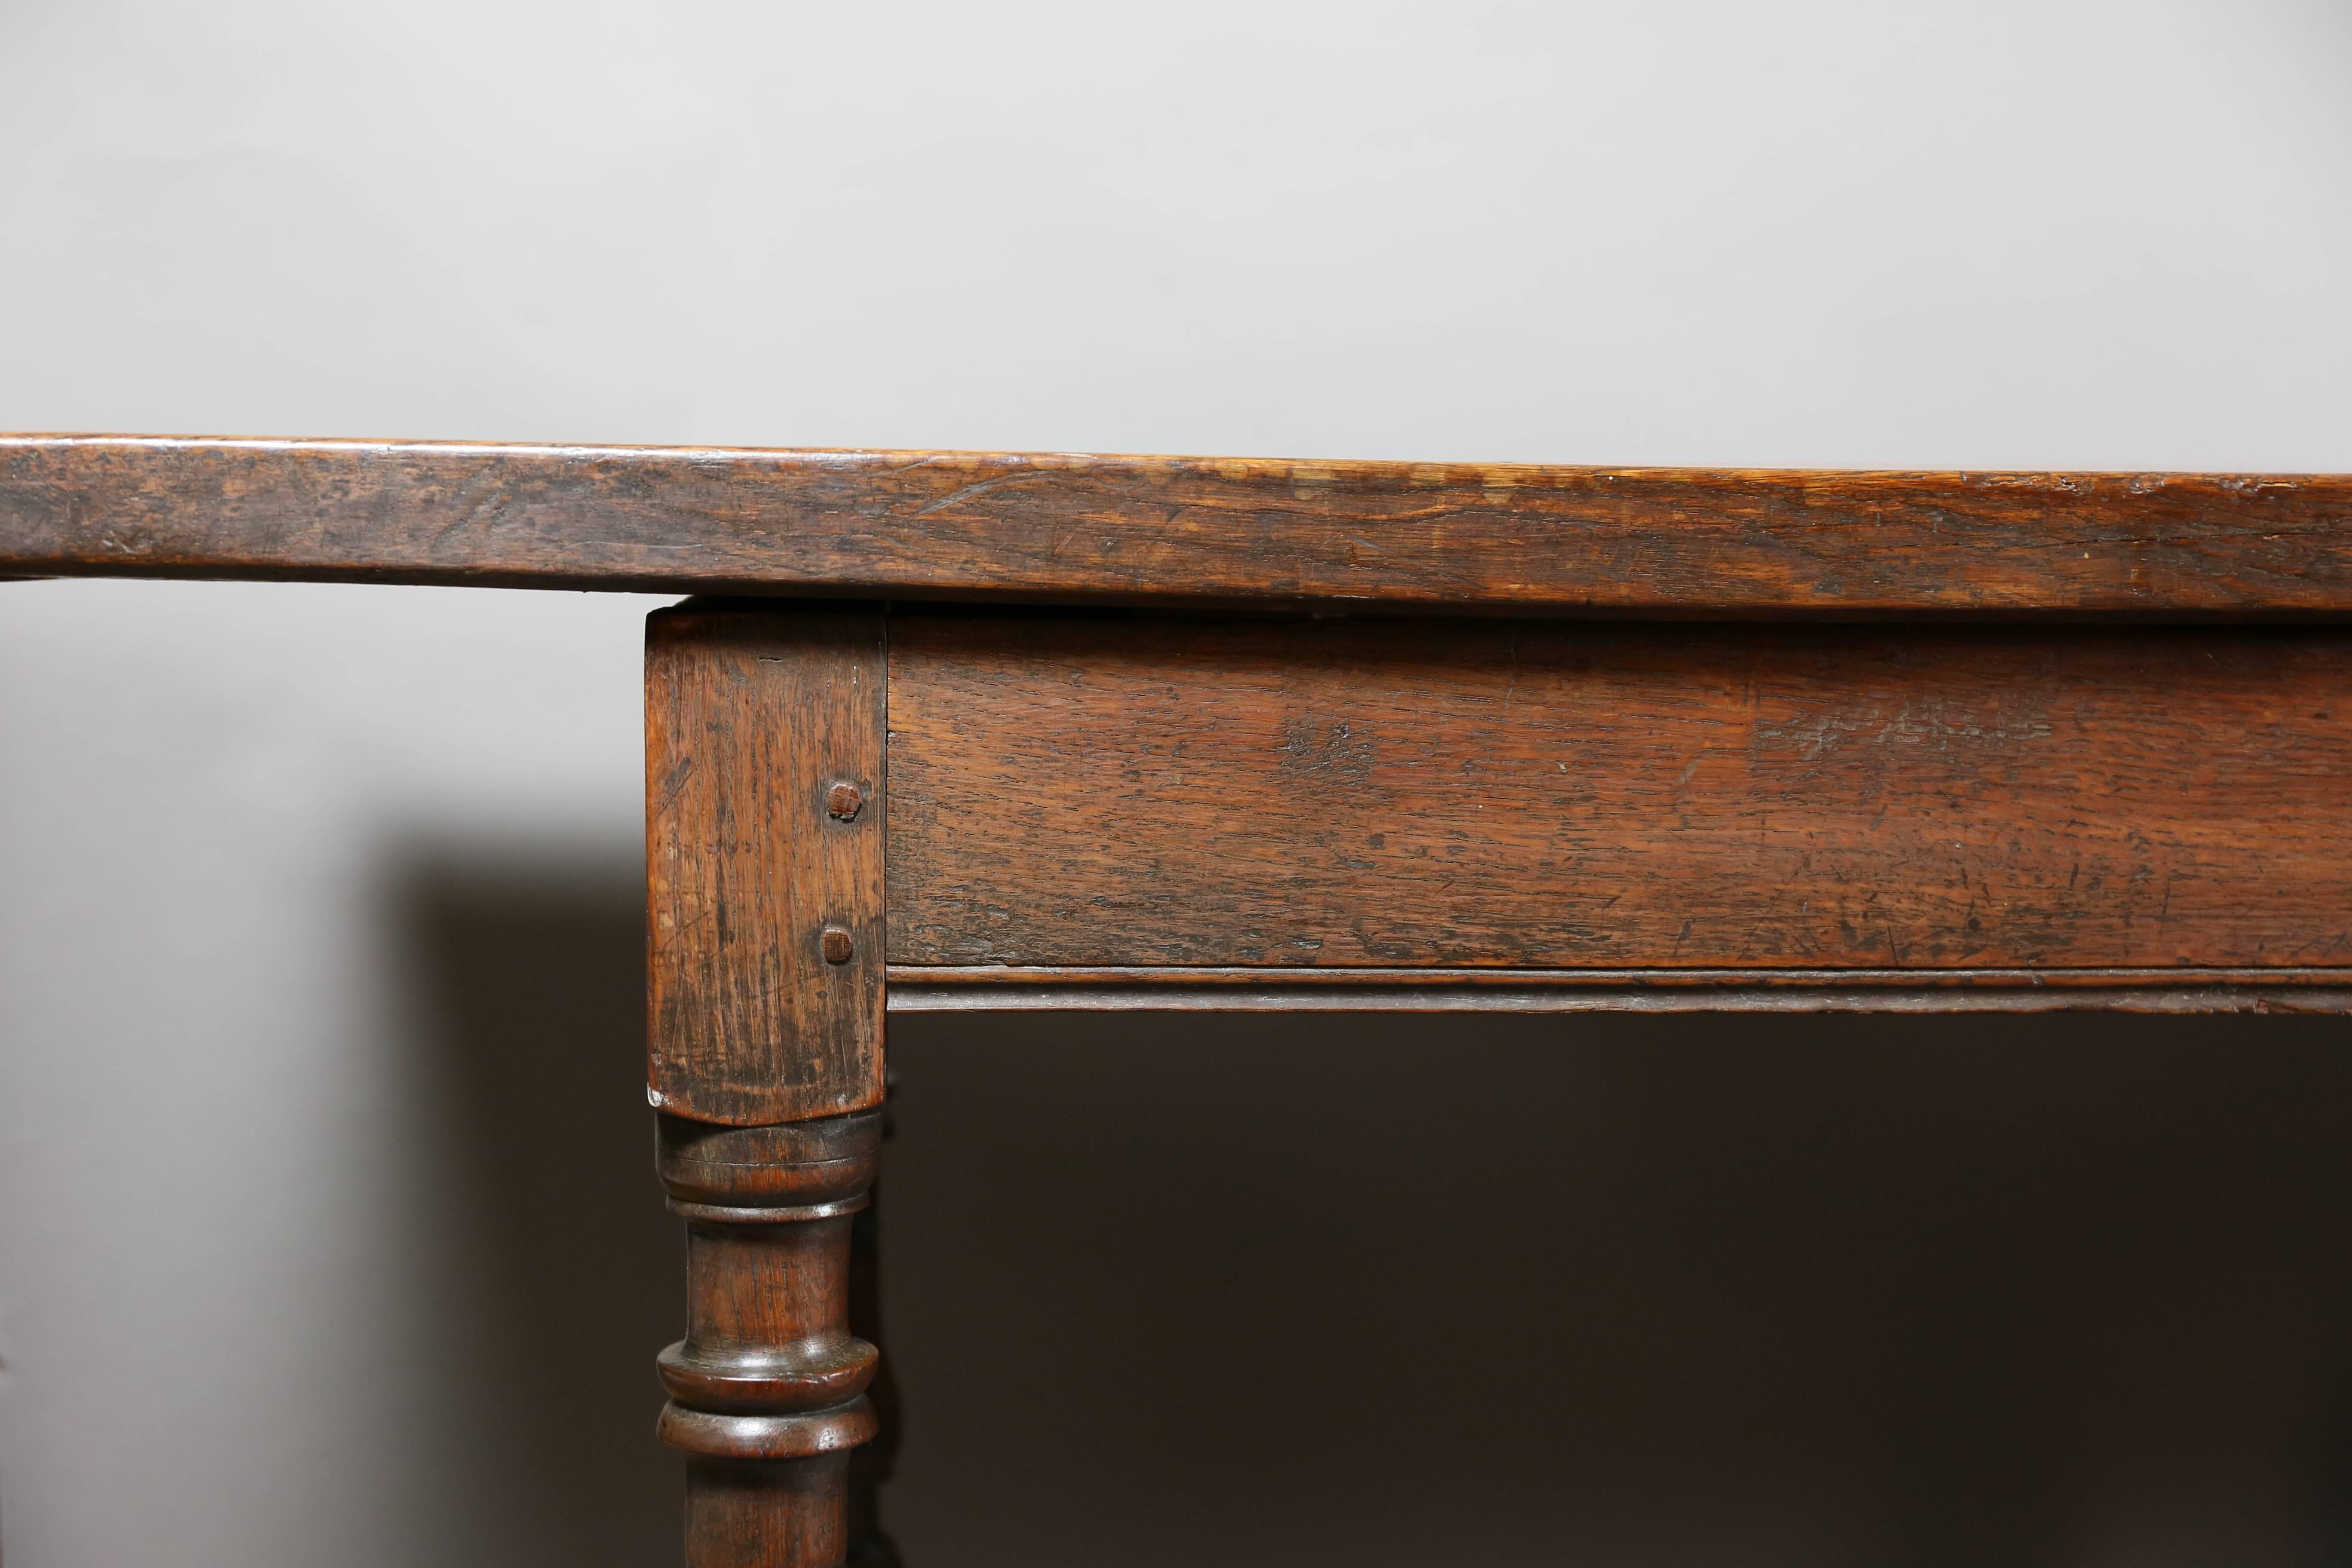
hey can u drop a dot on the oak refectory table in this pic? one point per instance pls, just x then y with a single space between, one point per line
943 730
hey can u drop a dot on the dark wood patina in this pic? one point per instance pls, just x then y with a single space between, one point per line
1416 537
1219 782
1364 796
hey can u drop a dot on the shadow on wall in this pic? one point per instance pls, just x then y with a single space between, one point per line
549 1232
1176 1289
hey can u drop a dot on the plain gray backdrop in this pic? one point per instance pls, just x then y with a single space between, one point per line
325 1229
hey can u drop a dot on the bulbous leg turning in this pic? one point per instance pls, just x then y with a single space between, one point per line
768 1388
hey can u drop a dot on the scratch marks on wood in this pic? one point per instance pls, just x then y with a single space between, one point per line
754 719
1419 537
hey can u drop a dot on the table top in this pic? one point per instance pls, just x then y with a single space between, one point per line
1393 537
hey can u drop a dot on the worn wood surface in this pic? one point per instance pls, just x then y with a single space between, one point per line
760 1516
764 844
1396 536
1099 791
768 1388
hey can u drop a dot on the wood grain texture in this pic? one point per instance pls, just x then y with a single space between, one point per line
764 1516
1393 536
1098 790
754 719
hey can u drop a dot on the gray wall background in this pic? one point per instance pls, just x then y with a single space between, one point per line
325 1233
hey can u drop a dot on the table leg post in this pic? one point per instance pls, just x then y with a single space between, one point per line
765 743
768 1388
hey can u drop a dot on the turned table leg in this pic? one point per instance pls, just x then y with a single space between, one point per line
765 752
768 1388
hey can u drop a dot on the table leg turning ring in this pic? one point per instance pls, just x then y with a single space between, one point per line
768 1388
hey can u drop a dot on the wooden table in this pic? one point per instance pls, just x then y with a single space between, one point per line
949 731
